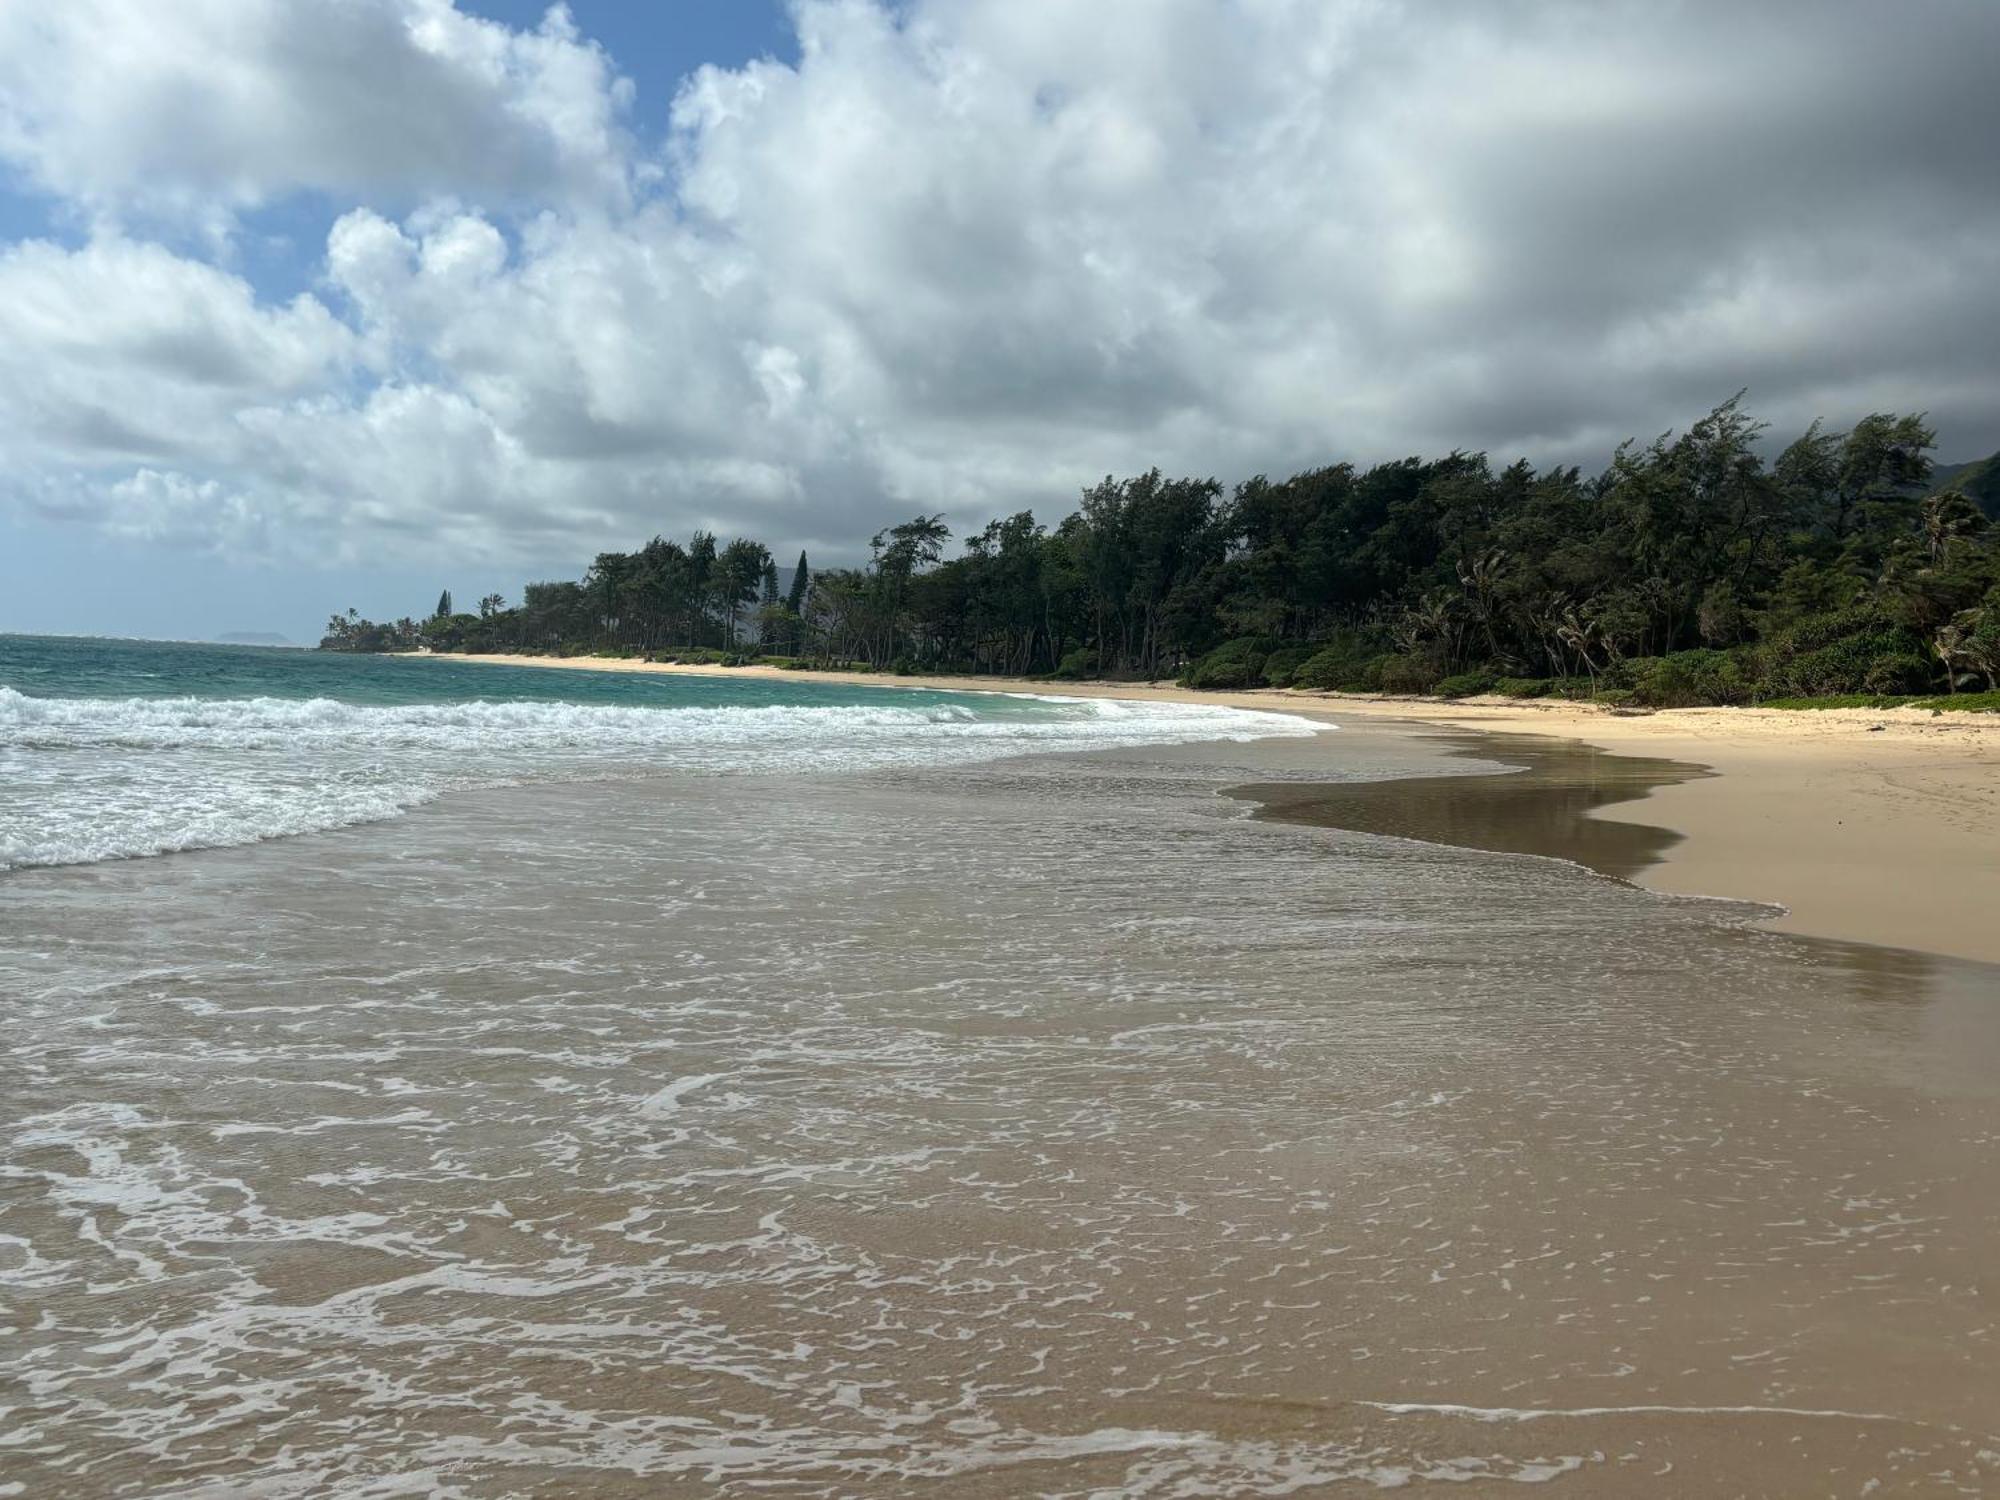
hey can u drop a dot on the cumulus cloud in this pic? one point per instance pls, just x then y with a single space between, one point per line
199 108
971 254
123 351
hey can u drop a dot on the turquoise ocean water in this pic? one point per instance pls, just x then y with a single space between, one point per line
116 749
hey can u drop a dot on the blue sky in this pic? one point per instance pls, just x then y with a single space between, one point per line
67 580
315 303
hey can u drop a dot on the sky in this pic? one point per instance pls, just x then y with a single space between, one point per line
310 304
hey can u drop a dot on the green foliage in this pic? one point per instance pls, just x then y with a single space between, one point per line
1466 684
1855 651
1964 703
1688 679
1937 703
1692 569
1978 481
1282 665
1234 664
1348 663
1077 665
1407 674
1838 700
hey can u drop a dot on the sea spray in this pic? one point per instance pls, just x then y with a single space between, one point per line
91 778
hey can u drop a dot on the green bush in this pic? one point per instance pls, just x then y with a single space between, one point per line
1897 673
1815 631
1576 689
1233 664
1345 664
1408 674
1965 703
1843 653
1837 700
1281 666
1687 679
1465 684
1844 666
1976 703
1858 650
1523 687
1077 664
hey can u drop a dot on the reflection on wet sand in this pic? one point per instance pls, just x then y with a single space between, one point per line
1037 1129
1939 1011
1542 808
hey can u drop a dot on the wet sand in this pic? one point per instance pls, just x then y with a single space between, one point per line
1864 826
1543 805
1048 1127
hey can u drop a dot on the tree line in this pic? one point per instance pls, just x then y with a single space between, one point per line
1698 567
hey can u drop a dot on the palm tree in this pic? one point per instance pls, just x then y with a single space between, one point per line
1972 639
1480 577
1581 632
1947 516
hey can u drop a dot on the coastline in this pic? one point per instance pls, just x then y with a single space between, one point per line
1866 826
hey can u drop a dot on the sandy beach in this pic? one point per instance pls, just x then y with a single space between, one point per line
689 1087
1867 826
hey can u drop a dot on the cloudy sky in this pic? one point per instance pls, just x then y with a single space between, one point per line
310 303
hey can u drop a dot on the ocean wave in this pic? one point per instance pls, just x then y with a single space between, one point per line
90 779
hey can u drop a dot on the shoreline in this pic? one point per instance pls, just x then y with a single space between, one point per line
1876 826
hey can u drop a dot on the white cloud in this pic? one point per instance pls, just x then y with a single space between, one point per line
124 351
195 109
971 254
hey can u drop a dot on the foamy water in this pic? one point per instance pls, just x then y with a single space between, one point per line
87 778
1038 1129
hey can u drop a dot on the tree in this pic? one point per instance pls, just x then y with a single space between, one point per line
733 582
795 597
1947 517
443 610
1827 569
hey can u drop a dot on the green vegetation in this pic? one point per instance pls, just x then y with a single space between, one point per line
1960 702
1698 568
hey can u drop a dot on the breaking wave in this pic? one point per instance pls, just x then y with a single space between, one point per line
88 779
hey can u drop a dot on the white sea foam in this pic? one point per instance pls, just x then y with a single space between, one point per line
88 779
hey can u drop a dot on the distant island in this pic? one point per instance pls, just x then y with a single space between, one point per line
253 638
1694 569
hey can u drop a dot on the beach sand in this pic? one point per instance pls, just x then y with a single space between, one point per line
1867 826
1039 1125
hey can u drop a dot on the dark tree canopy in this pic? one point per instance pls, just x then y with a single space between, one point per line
1703 566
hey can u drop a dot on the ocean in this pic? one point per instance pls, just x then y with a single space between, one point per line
537 1083
114 749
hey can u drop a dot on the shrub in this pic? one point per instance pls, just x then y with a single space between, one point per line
1408 674
1523 687
1687 679
1975 703
1902 672
1856 650
1233 664
1077 663
1844 665
1837 700
1465 684
1281 666
1347 664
